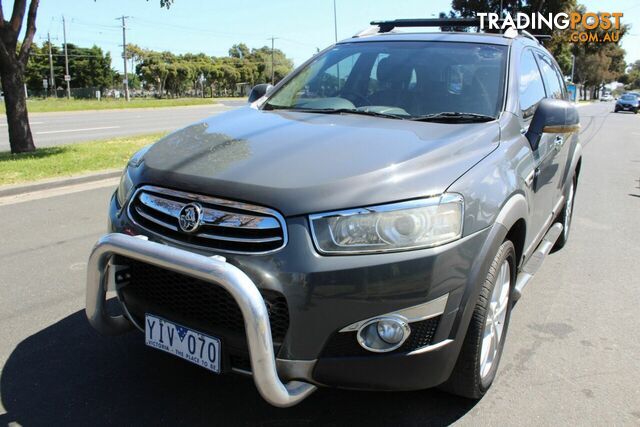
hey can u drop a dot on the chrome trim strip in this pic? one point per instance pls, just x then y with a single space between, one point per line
229 277
210 217
166 206
210 199
271 215
430 347
238 239
416 313
155 220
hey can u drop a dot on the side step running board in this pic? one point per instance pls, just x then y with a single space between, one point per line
535 261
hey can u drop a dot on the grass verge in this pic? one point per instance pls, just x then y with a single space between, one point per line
61 104
69 160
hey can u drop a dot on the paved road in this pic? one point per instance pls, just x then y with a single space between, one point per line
80 126
571 357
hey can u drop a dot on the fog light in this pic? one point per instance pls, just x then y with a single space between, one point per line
383 334
390 331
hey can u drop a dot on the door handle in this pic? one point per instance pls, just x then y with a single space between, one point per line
558 142
531 177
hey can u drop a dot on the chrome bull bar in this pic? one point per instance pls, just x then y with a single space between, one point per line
220 273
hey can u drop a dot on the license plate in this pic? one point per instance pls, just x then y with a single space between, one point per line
187 344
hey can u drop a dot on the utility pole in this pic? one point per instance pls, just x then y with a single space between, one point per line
573 65
67 76
52 82
335 33
335 21
124 57
273 70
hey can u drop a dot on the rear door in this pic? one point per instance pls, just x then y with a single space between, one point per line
540 181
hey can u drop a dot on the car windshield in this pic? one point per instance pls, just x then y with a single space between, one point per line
406 80
629 97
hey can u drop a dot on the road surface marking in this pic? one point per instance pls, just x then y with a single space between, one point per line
76 130
60 191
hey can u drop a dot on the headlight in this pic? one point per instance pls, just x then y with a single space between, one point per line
400 226
126 183
125 187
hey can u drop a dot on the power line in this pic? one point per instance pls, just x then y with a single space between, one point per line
197 30
71 55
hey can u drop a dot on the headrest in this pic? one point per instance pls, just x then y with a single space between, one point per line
393 70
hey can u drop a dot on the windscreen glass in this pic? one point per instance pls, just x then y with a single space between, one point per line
407 79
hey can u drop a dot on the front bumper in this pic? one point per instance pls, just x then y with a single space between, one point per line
325 294
626 107
219 273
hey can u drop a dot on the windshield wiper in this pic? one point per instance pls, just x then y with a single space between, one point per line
452 116
354 111
337 111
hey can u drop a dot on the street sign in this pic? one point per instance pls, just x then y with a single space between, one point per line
67 78
45 83
573 93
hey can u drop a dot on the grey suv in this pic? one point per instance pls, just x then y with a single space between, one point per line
368 223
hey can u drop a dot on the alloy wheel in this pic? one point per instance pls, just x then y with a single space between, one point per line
495 320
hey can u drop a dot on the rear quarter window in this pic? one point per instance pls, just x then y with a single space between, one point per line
550 76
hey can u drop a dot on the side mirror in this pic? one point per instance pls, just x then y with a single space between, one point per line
259 91
552 116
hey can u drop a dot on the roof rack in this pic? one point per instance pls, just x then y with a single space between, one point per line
387 26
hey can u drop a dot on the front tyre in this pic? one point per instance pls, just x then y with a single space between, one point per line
479 357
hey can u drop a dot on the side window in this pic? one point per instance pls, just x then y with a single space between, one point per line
531 88
563 86
550 76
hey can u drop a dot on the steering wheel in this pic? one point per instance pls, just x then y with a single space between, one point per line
360 97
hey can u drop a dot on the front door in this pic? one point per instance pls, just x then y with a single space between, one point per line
541 180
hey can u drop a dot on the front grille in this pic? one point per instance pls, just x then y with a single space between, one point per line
224 225
197 304
345 344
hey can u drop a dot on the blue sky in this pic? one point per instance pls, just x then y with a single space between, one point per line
213 26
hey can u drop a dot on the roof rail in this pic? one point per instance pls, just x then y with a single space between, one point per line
535 37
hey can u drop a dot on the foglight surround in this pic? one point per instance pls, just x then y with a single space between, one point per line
413 224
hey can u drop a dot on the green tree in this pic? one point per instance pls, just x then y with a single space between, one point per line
597 63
